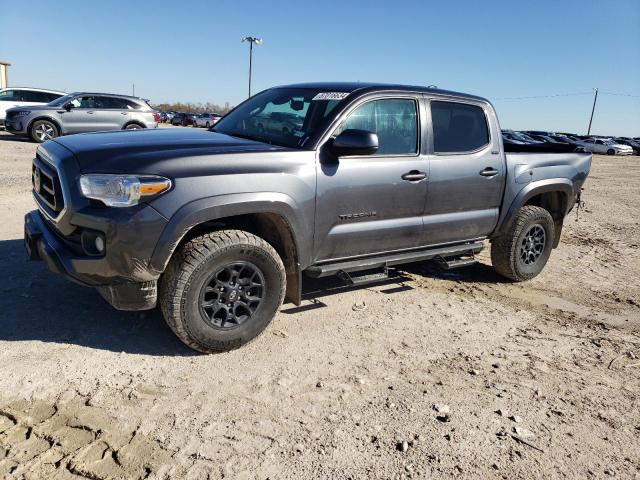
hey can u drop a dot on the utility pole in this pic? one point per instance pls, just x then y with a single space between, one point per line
595 99
251 41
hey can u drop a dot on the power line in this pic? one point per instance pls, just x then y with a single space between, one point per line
573 94
620 94
545 96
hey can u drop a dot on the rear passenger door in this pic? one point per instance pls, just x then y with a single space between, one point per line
115 114
466 172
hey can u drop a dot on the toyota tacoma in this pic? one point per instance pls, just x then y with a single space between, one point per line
218 227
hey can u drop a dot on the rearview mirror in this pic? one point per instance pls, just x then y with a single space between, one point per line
296 105
355 142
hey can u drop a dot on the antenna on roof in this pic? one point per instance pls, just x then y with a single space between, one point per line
432 86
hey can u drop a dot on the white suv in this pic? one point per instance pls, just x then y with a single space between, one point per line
24 97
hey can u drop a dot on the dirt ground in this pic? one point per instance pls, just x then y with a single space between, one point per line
432 375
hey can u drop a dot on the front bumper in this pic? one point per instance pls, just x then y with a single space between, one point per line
126 287
16 125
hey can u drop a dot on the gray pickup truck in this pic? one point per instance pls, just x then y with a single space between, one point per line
219 226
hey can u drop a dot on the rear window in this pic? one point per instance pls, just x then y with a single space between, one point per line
458 127
31 96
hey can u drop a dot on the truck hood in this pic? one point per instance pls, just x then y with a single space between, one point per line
143 151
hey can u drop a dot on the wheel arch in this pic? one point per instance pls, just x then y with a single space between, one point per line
133 122
554 195
269 216
47 118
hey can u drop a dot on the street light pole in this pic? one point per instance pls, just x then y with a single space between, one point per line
251 41
595 99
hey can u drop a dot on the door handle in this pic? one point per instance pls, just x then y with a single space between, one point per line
414 176
123 113
90 112
489 172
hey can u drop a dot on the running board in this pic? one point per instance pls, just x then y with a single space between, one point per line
327 269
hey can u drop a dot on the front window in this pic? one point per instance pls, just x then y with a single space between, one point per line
7 95
281 116
394 120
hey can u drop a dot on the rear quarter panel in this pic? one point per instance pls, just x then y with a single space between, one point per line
529 174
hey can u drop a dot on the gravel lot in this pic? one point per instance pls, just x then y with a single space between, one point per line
432 375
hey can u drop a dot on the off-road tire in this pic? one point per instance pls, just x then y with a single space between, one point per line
189 270
39 127
505 250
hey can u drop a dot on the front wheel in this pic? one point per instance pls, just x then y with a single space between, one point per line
221 290
43 130
522 252
611 151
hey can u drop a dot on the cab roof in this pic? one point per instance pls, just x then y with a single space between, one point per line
368 87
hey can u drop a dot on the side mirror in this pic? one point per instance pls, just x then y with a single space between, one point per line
68 106
355 142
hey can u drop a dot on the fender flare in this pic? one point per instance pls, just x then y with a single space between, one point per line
210 209
563 185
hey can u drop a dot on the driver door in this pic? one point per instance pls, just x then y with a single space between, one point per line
373 203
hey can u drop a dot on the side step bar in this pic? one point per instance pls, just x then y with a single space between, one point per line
366 279
456 262
327 269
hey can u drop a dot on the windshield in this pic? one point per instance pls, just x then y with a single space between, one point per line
281 116
60 101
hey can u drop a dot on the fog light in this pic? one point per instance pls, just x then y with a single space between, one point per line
99 242
93 242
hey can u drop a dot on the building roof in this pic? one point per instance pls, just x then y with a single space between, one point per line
4 63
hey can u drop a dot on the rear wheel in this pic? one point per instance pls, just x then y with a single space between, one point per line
43 130
221 290
133 126
208 125
522 252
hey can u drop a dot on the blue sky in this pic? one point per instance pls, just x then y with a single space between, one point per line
191 51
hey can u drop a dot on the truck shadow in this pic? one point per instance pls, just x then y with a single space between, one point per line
37 305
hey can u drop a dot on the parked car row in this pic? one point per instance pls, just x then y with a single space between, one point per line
46 114
540 140
195 119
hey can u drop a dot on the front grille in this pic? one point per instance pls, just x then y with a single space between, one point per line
46 187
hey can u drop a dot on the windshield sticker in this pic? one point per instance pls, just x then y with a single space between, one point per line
331 96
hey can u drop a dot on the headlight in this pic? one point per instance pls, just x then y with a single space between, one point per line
122 190
21 113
